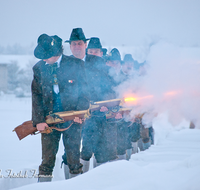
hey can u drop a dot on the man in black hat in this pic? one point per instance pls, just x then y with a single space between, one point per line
123 141
99 135
96 133
58 85
113 61
128 65
78 43
132 67
95 47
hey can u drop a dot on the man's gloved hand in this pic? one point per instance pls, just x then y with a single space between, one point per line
103 109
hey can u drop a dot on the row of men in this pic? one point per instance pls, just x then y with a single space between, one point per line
65 83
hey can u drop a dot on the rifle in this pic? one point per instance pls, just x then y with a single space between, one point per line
27 127
114 105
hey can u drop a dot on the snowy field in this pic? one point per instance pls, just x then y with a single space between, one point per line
173 163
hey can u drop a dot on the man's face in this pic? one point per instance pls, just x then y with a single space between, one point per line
51 60
127 67
113 63
95 51
78 48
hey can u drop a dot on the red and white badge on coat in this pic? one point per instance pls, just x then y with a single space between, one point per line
70 81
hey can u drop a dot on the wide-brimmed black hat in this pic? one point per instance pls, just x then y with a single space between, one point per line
94 43
114 55
128 58
48 46
77 34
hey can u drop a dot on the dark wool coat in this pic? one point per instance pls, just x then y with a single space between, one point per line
100 84
72 86
98 136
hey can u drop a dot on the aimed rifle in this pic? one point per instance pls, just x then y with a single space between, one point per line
114 105
27 128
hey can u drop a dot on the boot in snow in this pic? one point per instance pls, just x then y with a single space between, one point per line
121 157
128 153
134 147
146 145
44 179
66 171
94 162
86 165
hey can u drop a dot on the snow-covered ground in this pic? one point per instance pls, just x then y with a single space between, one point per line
173 163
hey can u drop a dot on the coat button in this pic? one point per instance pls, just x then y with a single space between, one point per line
51 92
51 102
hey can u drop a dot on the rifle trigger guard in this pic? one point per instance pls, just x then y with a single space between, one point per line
46 131
115 109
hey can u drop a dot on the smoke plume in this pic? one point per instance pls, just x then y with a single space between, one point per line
171 84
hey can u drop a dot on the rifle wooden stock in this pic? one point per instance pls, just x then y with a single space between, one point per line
27 128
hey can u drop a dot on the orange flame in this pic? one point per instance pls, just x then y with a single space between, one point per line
130 99
134 99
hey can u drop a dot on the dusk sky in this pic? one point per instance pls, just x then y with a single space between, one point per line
115 22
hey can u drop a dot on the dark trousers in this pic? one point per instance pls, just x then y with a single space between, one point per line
144 134
50 145
134 131
100 138
151 134
123 137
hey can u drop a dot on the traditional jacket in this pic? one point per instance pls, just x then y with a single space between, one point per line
100 84
72 88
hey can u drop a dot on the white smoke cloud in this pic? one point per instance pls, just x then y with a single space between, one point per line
172 84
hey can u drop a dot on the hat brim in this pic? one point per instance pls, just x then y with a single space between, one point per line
68 41
40 53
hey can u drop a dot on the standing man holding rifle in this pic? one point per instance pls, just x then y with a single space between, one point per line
58 85
98 135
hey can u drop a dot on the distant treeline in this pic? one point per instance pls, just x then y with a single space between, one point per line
19 80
